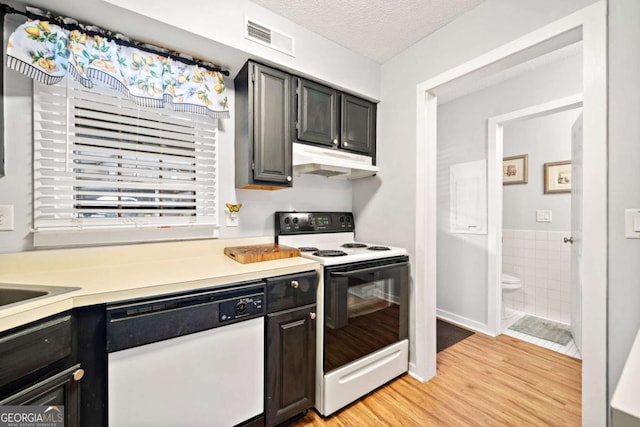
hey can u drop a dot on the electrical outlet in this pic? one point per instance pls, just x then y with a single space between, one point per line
232 219
6 218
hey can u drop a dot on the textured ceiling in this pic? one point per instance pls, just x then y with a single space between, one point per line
378 29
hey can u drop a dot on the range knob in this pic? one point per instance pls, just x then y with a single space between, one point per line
287 220
341 219
241 307
295 220
348 219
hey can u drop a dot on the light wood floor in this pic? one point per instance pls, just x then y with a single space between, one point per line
481 381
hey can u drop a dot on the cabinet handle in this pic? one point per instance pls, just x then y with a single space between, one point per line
346 143
295 284
78 374
312 316
289 178
335 142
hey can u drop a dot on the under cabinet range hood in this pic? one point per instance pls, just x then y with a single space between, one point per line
331 163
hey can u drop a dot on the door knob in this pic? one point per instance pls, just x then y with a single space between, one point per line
335 142
568 240
312 316
289 178
346 143
295 284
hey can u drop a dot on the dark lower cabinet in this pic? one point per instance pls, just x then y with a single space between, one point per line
56 360
62 389
290 363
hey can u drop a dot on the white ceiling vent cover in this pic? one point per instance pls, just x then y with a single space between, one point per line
267 36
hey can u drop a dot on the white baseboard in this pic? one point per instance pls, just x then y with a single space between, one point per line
464 322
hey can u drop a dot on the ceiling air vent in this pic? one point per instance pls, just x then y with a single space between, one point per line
264 35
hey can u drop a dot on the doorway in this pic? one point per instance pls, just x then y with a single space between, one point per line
534 250
589 25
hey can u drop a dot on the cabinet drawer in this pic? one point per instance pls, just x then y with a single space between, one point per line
290 291
26 351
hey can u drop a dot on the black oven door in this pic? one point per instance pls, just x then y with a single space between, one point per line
365 308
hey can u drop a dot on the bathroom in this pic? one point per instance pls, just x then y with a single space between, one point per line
537 296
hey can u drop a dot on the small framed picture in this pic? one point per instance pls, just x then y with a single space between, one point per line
557 177
514 169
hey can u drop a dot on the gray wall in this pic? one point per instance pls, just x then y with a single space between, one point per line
389 198
462 137
545 139
624 180
256 214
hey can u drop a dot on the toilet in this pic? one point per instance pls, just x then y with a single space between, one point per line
510 283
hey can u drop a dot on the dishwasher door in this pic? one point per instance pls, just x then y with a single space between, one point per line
209 378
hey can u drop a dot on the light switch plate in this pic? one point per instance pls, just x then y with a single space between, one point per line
544 216
632 223
6 218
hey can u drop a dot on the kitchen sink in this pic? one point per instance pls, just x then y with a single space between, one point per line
11 295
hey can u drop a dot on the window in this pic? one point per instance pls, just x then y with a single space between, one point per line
107 170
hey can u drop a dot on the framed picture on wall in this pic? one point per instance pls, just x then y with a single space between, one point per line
514 169
557 177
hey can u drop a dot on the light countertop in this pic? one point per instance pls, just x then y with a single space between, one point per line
117 273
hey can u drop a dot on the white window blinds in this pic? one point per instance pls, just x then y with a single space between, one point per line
104 166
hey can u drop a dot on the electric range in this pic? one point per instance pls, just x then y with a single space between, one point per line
362 337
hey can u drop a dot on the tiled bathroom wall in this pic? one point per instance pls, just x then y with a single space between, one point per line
543 262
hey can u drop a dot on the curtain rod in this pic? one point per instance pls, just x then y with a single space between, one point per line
109 35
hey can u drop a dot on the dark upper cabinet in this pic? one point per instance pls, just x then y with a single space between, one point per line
317 108
358 125
263 127
327 117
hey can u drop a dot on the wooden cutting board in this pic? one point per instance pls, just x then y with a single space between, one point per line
257 253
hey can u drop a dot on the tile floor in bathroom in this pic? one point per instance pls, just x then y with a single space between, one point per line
511 316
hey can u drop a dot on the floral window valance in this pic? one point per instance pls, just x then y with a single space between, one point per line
47 52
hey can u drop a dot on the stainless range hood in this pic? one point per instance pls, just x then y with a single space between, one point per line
330 163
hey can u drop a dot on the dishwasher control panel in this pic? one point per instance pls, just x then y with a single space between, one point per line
245 306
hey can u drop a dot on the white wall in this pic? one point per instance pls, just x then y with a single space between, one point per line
545 139
256 215
223 21
624 181
462 136
489 25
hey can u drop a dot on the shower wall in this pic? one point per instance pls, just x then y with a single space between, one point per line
543 262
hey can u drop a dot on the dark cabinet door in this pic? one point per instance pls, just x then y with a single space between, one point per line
317 114
358 125
272 125
291 361
58 390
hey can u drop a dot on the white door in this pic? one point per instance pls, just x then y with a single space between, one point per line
576 232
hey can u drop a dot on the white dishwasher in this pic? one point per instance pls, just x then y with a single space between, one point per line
189 360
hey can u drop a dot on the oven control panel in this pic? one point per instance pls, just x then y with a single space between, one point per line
313 222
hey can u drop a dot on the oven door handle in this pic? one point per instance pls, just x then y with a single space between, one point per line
368 269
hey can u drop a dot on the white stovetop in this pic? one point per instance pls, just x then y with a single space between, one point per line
334 241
